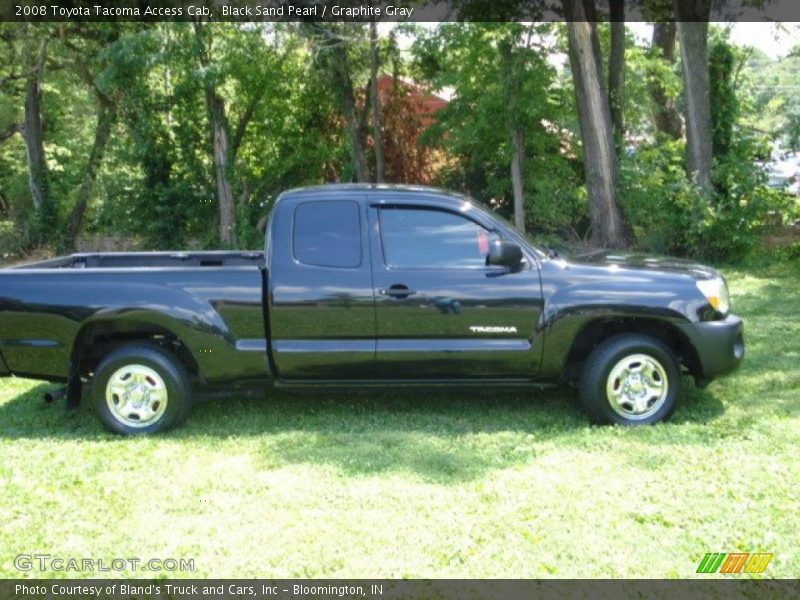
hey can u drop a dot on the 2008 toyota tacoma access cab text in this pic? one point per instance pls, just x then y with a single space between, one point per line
367 285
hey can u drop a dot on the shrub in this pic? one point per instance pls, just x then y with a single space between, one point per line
667 214
656 198
10 242
729 226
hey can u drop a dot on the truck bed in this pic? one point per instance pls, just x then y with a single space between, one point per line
208 302
149 260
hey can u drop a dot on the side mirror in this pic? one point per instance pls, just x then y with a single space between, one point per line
505 254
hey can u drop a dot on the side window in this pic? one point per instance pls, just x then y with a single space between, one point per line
421 238
327 234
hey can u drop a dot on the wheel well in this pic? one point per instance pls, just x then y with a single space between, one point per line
97 340
600 330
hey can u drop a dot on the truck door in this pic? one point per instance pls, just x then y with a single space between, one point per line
441 312
321 304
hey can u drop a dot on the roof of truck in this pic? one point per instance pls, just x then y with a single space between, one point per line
373 187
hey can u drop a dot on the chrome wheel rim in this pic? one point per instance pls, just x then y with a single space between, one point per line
637 387
136 396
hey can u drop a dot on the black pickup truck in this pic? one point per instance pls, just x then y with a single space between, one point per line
367 285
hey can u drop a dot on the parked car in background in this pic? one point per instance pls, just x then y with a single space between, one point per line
783 172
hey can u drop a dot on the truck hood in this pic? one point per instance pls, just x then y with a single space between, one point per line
646 262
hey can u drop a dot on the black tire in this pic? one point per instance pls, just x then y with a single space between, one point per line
164 395
612 355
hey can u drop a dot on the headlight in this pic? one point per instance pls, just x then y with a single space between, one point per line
716 292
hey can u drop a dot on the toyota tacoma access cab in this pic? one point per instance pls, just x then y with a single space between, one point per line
367 285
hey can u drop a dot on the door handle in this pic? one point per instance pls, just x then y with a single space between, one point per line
398 290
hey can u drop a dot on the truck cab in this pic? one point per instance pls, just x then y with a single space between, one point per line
373 283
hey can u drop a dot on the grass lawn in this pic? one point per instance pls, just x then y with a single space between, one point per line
427 483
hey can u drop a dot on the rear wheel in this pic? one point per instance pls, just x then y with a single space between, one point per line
631 380
140 389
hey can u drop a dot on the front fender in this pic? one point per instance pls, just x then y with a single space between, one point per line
575 296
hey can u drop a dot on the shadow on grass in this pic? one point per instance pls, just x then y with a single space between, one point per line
443 436
451 411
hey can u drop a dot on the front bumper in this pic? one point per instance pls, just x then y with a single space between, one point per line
719 346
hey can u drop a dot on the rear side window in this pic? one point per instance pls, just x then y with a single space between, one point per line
327 234
419 238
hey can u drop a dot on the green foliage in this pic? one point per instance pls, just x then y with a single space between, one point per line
789 255
483 63
643 67
16 195
729 228
669 216
155 182
9 239
793 132
665 211
656 198
768 91
154 185
722 95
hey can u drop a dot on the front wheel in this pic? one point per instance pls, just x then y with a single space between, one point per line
140 389
630 380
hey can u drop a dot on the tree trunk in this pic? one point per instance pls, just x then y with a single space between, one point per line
218 132
517 156
219 142
599 158
344 85
511 69
667 119
105 120
616 72
33 133
243 122
693 34
376 102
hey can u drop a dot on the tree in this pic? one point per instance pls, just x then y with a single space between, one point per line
32 130
35 55
343 84
616 72
95 42
164 133
666 118
405 110
69 53
106 116
219 133
599 157
503 134
237 71
374 43
154 134
693 35
334 42
512 73
722 96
